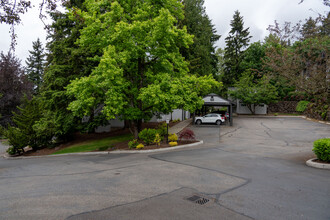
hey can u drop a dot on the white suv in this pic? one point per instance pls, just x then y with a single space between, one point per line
210 118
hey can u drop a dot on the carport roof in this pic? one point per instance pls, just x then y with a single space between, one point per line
215 100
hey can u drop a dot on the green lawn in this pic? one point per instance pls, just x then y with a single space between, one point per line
102 144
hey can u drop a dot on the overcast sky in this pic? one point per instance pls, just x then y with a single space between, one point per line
258 15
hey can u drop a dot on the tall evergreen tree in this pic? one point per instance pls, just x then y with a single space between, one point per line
65 62
201 55
236 42
35 65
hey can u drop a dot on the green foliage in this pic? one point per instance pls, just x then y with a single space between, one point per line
148 135
322 149
35 65
236 42
302 106
141 70
66 61
162 129
133 144
95 144
200 55
252 92
172 137
157 140
23 134
253 58
16 138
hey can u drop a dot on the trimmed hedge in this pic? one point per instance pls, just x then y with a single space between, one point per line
322 149
302 106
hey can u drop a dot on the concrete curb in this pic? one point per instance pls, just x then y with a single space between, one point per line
6 156
156 150
311 163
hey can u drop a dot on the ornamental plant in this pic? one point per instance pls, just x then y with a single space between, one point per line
140 146
157 140
302 106
322 149
148 135
133 144
172 137
162 129
187 134
173 143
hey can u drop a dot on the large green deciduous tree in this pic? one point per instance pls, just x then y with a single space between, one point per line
201 54
253 92
141 71
236 43
35 65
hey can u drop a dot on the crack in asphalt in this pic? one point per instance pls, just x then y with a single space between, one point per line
230 132
216 195
269 129
152 197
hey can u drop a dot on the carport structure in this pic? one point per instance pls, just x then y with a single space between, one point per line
215 100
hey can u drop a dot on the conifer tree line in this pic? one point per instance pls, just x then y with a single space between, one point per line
113 59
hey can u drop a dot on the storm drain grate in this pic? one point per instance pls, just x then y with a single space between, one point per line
198 200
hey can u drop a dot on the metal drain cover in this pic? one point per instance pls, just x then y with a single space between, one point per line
199 200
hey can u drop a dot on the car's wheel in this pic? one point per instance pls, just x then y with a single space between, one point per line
199 122
218 122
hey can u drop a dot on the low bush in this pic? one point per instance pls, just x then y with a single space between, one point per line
187 134
322 149
172 137
132 144
148 135
173 143
162 129
16 138
302 106
140 146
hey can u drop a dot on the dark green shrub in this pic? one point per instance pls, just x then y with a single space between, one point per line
162 129
148 135
302 106
322 149
17 139
133 144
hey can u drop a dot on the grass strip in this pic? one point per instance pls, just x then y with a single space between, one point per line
101 144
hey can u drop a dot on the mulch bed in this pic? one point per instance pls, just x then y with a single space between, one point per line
320 161
78 138
124 145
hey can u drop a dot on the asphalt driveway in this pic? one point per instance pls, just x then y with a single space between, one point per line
254 170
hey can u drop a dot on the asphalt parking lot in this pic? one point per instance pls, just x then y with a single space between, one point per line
253 170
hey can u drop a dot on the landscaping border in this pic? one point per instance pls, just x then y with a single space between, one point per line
6 156
311 163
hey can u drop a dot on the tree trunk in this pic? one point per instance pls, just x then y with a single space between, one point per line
135 127
252 108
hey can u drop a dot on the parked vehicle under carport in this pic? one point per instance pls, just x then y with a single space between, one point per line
210 119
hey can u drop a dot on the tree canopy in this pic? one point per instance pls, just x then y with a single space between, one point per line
201 54
35 65
236 42
141 71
